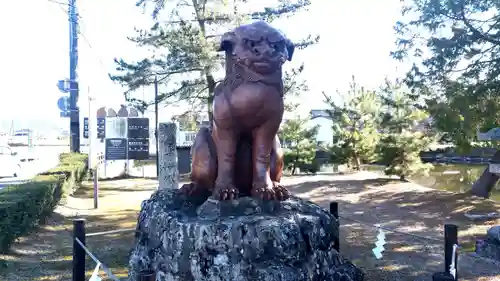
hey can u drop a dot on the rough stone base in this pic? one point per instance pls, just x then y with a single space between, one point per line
240 240
490 246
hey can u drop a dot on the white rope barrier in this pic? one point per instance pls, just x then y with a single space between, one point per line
99 264
110 232
453 271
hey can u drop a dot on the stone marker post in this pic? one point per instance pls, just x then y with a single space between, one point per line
167 156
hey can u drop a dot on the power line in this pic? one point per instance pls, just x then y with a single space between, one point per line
87 42
60 5
101 63
58 2
80 32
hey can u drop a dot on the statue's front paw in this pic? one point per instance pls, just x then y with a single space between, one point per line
281 192
263 190
225 191
193 189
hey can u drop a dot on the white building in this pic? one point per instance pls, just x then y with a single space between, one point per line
321 118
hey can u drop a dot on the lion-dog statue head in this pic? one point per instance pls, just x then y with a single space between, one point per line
257 47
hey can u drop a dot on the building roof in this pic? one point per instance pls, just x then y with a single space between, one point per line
320 113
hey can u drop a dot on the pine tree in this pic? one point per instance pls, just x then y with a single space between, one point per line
404 133
188 121
355 125
184 59
454 46
300 142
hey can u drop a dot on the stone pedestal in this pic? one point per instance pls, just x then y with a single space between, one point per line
197 239
490 246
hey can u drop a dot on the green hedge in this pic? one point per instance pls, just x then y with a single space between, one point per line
24 206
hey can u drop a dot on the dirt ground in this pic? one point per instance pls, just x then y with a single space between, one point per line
363 197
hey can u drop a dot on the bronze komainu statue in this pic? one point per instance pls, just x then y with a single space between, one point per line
241 155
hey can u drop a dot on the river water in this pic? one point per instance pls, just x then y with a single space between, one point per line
450 177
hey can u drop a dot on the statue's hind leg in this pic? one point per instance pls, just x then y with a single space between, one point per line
203 165
277 164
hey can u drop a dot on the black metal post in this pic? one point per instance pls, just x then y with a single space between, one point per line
78 252
450 239
442 276
334 210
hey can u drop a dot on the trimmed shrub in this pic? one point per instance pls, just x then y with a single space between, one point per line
23 207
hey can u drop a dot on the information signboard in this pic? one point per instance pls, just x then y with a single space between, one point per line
138 138
116 149
85 127
116 127
101 127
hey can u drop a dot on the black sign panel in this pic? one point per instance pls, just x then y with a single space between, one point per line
138 149
138 138
138 128
116 149
101 127
86 128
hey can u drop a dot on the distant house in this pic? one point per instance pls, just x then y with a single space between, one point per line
322 119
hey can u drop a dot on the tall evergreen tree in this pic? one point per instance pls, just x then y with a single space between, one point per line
300 143
184 58
355 124
405 133
455 46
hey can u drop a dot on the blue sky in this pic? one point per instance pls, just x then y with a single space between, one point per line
356 38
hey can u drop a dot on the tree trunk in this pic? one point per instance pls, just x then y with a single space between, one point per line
295 165
199 8
211 90
485 184
357 163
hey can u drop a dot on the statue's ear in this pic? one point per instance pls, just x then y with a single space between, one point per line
227 42
290 48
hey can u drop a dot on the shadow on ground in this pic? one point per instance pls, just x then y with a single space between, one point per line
406 208
115 187
47 254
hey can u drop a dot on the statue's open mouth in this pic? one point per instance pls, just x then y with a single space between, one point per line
263 66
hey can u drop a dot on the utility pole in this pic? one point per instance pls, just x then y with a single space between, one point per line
74 125
156 129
